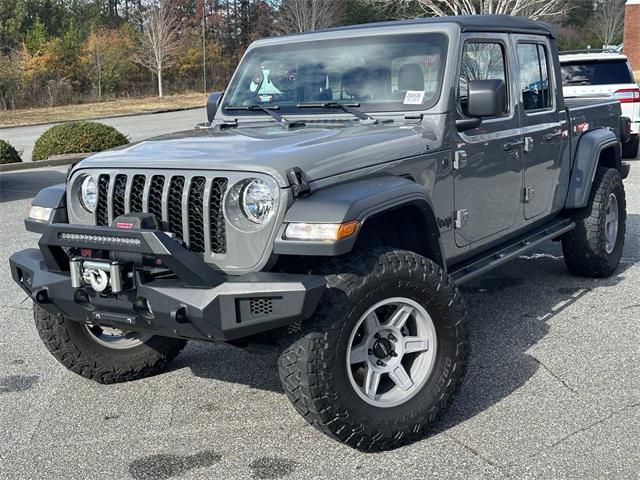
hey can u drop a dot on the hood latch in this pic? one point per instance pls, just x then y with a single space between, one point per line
299 182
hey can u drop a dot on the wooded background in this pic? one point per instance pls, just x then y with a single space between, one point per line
56 52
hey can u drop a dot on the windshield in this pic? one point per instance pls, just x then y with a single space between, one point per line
382 73
596 73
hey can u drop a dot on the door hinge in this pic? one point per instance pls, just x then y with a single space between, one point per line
527 194
461 218
528 144
459 159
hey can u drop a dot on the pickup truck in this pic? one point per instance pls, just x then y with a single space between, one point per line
346 183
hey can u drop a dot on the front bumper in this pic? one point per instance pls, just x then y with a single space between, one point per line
196 303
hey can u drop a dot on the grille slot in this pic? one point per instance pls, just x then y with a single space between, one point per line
102 208
137 190
196 214
176 188
119 190
217 236
155 196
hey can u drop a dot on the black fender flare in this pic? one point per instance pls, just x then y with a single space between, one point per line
590 146
54 197
356 200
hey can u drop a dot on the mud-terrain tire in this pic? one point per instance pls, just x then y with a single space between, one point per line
594 247
72 344
317 370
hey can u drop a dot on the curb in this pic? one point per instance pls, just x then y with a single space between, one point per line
53 161
150 112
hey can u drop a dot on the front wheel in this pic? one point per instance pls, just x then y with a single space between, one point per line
104 354
384 354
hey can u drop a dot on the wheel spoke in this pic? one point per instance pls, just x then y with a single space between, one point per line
358 354
400 316
371 322
415 344
401 378
371 382
611 217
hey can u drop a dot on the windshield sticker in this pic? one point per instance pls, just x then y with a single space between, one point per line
414 97
266 98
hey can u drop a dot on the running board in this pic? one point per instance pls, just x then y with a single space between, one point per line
481 264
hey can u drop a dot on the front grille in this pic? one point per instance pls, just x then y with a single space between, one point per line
178 202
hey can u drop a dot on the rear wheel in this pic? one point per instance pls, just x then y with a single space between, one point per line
383 355
594 247
104 354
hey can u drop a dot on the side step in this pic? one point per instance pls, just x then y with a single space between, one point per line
476 266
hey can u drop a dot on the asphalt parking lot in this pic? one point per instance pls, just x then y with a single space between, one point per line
552 390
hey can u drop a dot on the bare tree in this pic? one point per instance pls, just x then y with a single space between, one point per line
160 38
306 15
535 9
609 20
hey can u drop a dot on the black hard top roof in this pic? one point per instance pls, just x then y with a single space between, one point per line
472 23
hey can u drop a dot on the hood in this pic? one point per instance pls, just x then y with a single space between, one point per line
320 151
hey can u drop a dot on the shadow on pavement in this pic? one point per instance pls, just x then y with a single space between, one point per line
22 185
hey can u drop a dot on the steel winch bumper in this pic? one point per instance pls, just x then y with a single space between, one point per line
198 302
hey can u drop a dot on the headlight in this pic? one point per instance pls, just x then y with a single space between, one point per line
251 203
89 194
258 201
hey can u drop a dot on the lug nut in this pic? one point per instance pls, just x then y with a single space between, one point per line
370 351
393 353
376 335
391 337
380 363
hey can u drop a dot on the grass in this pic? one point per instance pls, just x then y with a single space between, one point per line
87 111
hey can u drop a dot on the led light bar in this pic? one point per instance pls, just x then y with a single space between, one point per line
84 237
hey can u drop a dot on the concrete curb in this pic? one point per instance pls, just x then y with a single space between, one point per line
53 161
150 112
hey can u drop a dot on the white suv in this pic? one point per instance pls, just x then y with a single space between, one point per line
601 75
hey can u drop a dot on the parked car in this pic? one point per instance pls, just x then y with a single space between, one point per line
596 74
347 183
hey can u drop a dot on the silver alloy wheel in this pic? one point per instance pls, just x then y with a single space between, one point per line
391 352
611 223
116 338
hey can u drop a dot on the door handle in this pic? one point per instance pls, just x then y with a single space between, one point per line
513 145
550 136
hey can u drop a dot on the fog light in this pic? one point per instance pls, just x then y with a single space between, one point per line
42 214
321 231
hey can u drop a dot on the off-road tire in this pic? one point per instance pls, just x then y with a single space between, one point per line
313 368
70 343
584 248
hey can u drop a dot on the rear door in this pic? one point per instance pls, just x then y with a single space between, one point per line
541 125
488 168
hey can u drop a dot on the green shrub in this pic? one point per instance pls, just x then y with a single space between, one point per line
77 137
8 154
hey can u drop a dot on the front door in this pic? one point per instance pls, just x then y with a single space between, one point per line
541 125
488 159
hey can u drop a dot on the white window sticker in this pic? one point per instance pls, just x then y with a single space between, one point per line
414 97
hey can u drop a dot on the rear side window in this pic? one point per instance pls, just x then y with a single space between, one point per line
480 61
596 73
534 76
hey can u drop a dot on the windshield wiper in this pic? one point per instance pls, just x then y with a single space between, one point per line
345 107
269 111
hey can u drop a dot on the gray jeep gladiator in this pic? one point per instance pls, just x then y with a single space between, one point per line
346 183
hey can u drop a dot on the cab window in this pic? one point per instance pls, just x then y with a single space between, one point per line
480 61
534 77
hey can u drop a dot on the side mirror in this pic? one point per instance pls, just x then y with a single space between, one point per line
487 98
213 102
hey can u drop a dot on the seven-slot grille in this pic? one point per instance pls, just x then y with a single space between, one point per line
189 207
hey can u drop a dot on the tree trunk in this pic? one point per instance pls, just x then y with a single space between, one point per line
160 82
